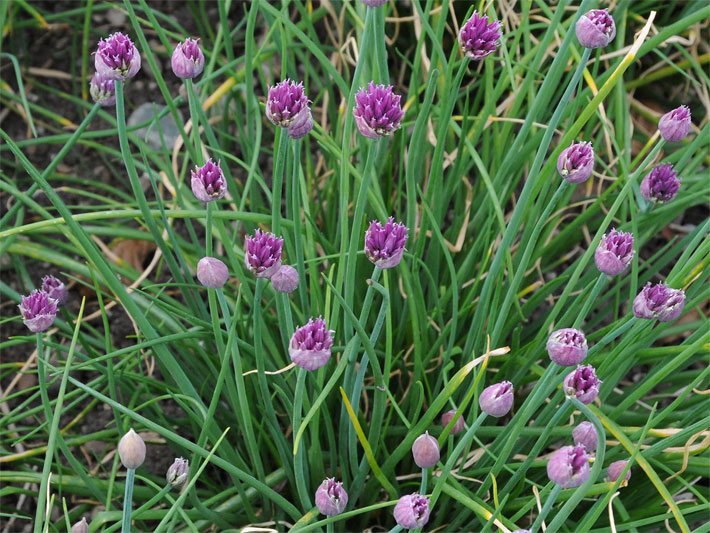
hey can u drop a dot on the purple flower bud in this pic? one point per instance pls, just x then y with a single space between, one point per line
288 106
131 450
102 89
55 289
660 302
80 527
187 61
675 125
301 125
458 425
567 347
310 345
262 253
117 58
331 498
426 451
614 253
595 29
661 184
384 245
582 383
585 434
374 3
208 183
614 470
377 111
568 467
478 38
38 311
212 273
412 511
576 162
286 279
177 472
497 400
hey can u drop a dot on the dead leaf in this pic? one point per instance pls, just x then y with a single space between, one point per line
133 252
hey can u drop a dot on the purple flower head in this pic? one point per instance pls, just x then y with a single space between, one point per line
568 467
377 111
288 106
585 434
615 469
426 451
661 184
567 347
614 253
478 38
374 3
208 183
262 253
582 383
187 60
102 89
660 302
117 58
595 29
212 273
384 245
412 511
497 400
576 162
286 279
310 345
55 289
38 311
458 425
331 498
177 472
675 125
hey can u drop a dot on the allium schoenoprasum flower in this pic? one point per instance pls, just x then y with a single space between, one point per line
567 346
568 467
585 434
412 511
374 3
331 498
177 472
131 450
384 244
288 106
82 526
377 111
38 311
660 302
310 344
286 279
425 451
102 89
458 425
187 60
117 58
207 182
582 383
55 288
479 38
614 253
661 184
497 400
675 125
615 469
212 273
262 253
576 162
595 29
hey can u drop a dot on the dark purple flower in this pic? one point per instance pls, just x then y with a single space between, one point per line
479 38
310 345
458 425
331 497
384 245
286 279
38 311
208 183
614 253
615 469
288 106
497 400
212 273
568 467
576 162
661 184
585 434
660 302
374 3
262 253
102 89
675 125
377 111
567 346
412 511
187 60
117 58
426 451
582 383
55 288
595 29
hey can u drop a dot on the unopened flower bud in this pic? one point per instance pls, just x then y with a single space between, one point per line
478 38
207 182
595 29
187 60
310 345
567 346
82 526
102 90
576 162
568 467
614 253
582 383
425 451
212 273
117 58
55 288
131 450
661 184
585 434
377 111
675 125
497 400
331 498
262 253
374 3
177 472
288 106
384 244
412 511
286 279
615 469
659 302
38 311
458 425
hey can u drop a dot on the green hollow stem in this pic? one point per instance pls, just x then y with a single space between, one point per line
208 229
145 507
128 501
300 464
546 508
278 179
193 102
330 527
590 299
42 379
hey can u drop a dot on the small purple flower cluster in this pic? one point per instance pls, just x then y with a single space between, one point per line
39 308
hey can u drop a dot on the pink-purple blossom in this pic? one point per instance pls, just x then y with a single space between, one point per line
661 184
38 311
479 38
660 302
614 253
310 344
187 60
377 111
568 467
117 58
384 243
262 253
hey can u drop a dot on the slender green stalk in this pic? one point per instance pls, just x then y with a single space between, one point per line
128 501
549 502
278 178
